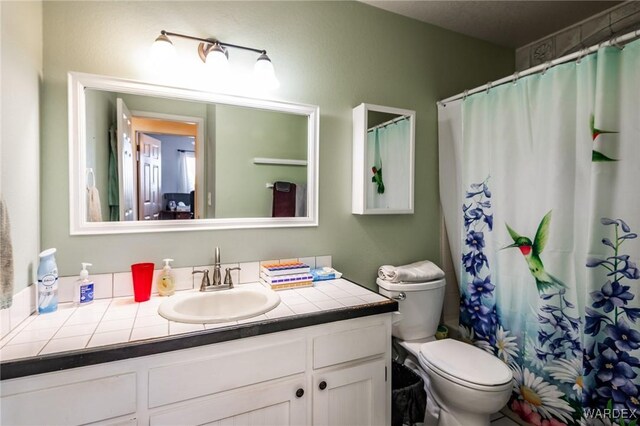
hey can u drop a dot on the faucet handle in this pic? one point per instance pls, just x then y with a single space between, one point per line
205 279
227 276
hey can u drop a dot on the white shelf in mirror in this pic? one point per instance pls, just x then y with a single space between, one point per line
279 161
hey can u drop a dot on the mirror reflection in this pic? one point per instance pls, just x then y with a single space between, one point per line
388 154
151 158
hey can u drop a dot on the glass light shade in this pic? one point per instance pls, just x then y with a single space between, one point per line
162 50
264 73
217 61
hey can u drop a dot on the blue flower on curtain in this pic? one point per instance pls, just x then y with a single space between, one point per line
477 307
611 326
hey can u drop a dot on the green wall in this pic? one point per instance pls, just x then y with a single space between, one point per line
101 114
20 126
332 54
243 134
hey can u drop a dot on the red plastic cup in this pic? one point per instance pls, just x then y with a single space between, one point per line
142 278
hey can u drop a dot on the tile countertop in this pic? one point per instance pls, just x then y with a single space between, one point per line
119 328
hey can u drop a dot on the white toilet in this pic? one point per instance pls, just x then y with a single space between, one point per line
466 383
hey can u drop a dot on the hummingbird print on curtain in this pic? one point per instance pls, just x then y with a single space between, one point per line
531 252
595 132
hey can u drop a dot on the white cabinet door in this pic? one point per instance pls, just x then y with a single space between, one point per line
351 396
279 403
55 400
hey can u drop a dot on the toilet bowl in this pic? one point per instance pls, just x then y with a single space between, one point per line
465 384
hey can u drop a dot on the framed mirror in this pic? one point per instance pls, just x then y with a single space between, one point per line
147 158
383 160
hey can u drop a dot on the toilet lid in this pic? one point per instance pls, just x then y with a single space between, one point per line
465 362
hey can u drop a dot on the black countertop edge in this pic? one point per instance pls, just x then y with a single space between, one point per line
85 357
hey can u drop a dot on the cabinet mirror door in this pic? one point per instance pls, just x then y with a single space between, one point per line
383 160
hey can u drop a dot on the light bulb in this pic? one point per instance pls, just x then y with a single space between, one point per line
217 61
264 73
162 50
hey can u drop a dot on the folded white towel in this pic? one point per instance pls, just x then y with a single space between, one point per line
424 270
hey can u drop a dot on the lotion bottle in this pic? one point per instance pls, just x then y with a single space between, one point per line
84 288
166 280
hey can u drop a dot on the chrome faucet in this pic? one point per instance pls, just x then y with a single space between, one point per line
217 279
207 285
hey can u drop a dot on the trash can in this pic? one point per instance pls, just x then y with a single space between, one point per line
408 397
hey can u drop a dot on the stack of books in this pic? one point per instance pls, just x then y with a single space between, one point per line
280 276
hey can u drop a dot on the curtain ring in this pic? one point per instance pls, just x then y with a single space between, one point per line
614 42
516 77
489 85
547 65
581 54
465 94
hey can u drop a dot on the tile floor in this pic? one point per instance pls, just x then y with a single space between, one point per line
121 320
499 419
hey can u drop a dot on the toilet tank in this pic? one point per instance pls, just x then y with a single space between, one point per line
419 310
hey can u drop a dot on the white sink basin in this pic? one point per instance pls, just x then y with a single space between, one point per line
219 306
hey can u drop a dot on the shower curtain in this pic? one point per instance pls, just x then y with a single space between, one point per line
540 189
186 171
388 150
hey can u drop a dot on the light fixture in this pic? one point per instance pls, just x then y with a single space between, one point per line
214 53
264 73
217 60
162 49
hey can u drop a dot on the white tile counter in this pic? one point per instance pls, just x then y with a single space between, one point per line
121 320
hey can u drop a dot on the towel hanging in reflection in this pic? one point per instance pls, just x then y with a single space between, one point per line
6 258
112 182
284 199
94 208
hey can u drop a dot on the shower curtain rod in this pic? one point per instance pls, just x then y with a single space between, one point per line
615 41
386 123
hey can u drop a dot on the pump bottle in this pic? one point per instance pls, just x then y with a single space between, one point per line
166 280
84 288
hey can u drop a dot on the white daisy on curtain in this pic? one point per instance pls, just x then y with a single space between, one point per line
531 354
540 396
506 345
467 335
567 371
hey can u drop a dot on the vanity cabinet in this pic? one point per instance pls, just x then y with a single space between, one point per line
52 399
329 374
272 403
353 395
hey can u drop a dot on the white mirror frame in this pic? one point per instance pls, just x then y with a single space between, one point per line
78 82
361 172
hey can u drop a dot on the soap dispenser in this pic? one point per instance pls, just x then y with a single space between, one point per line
166 281
84 289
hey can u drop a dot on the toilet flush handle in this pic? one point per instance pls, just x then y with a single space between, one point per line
401 296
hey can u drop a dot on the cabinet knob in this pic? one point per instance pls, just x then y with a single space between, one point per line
300 392
322 385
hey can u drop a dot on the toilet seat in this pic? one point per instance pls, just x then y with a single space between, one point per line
465 365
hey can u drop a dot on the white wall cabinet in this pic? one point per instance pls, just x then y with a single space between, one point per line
383 160
330 374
